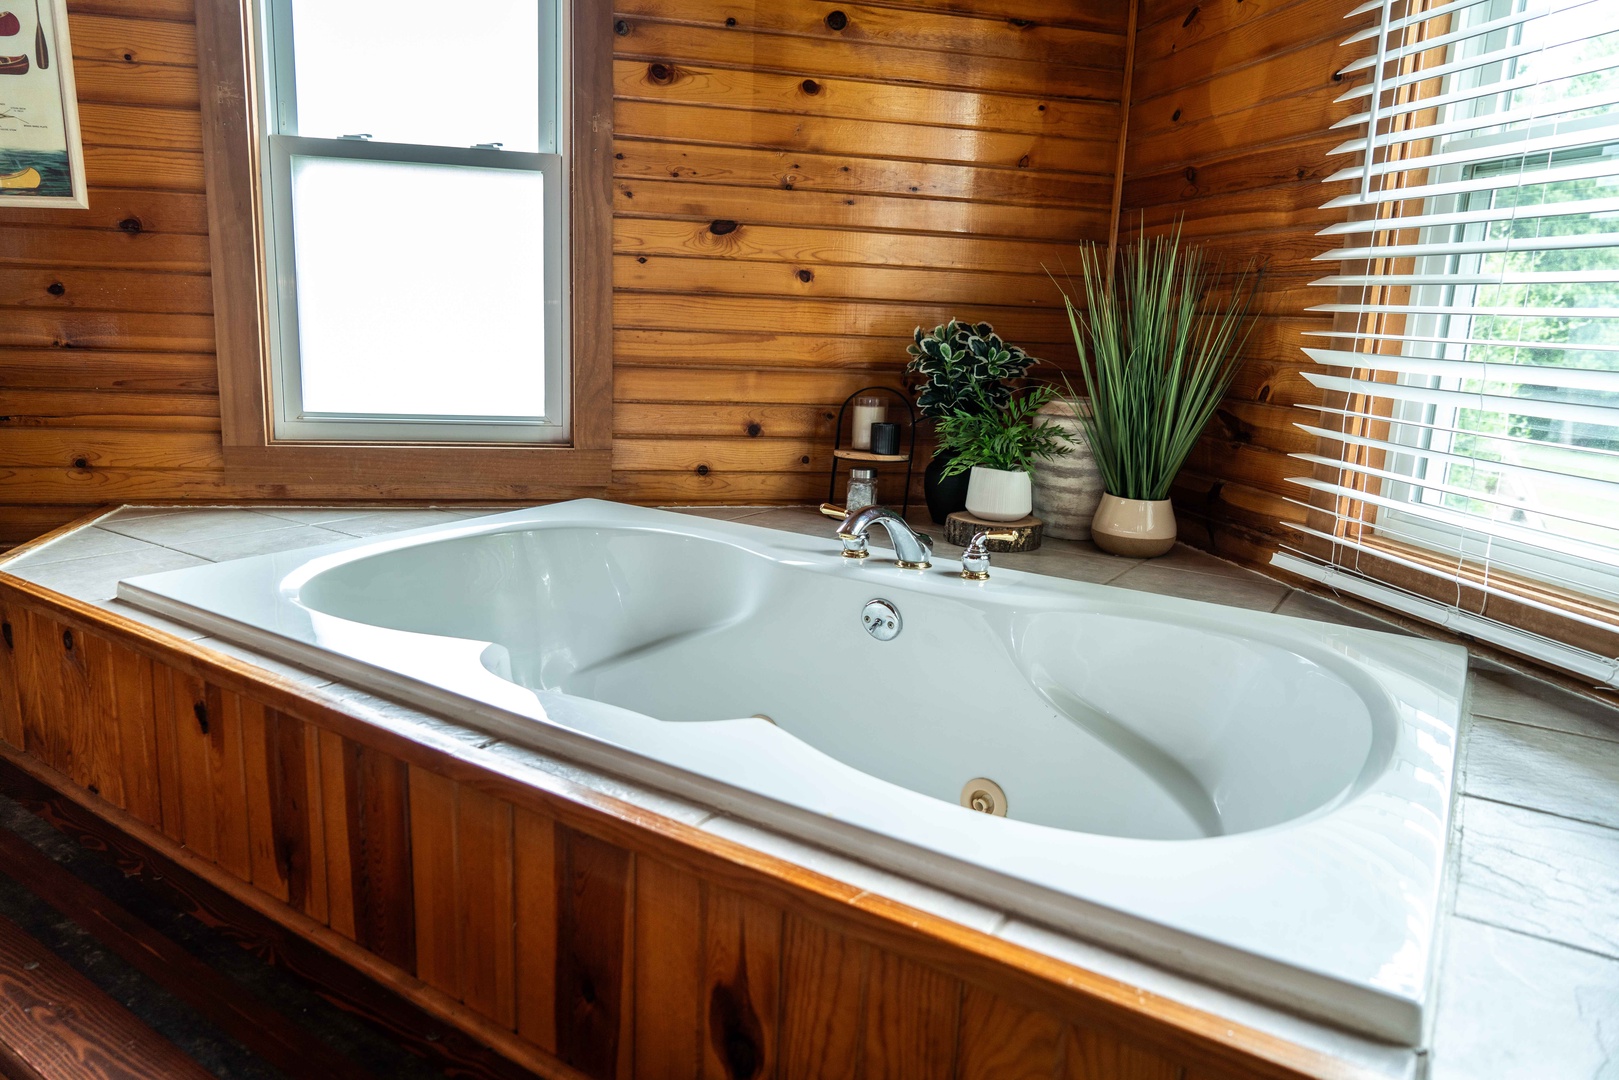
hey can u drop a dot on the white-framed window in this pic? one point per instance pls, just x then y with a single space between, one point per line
1468 469
1531 468
415 216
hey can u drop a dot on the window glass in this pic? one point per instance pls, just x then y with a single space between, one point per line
406 312
431 72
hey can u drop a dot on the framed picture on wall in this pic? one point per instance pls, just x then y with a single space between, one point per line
41 155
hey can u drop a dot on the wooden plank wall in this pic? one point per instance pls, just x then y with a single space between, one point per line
576 935
108 389
798 187
1228 131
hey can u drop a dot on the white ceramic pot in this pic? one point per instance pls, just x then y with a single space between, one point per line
1067 489
998 495
1139 528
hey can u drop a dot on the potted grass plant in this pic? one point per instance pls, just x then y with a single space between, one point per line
1160 339
997 446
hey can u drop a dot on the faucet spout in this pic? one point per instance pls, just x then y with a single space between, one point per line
913 550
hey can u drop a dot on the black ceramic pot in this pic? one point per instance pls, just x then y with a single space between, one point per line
945 494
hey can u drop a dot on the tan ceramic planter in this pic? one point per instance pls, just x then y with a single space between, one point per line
1138 528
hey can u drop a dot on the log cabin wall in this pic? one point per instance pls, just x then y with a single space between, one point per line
798 187
1228 131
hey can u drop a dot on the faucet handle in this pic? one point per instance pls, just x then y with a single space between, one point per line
833 510
975 558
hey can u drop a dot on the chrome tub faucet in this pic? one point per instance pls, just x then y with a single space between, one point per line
912 550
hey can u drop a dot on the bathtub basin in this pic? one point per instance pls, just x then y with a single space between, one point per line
1257 801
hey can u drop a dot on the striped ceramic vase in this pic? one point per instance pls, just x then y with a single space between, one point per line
1067 489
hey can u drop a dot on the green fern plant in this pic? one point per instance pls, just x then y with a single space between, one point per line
1159 342
1008 437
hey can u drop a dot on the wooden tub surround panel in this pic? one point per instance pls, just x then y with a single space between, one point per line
577 935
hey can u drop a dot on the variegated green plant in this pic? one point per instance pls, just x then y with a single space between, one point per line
963 366
1160 339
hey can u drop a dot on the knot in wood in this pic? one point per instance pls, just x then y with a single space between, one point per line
836 20
660 73
56 288
621 27
811 87
806 276
722 226
131 225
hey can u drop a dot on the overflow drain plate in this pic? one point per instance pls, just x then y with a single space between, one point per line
881 620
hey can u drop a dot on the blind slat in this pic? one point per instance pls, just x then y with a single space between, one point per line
1608 459
1361 469
1451 219
1525 143
1597 489
1456 519
1574 413
1559 346
1584 170
1471 370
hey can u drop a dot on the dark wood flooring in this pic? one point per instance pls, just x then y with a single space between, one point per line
115 962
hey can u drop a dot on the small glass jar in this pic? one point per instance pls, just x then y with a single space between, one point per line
869 409
862 490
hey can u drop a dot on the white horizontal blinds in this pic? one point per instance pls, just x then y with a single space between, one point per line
1467 467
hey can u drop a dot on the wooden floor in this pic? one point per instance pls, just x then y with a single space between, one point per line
117 964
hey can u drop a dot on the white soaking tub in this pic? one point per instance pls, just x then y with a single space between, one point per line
1255 800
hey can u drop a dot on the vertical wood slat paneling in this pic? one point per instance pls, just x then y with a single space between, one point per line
619 963
594 885
536 885
824 979
227 782
433 865
486 918
742 943
911 1016
335 817
13 624
377 794
668 972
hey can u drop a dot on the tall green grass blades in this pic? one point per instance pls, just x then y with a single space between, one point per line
1160 338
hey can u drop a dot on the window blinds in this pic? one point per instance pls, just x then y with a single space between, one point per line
1467 468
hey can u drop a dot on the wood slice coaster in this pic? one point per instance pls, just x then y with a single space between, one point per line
960 527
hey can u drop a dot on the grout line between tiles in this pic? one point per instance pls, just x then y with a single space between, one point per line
1607 957
1614 738
1542 810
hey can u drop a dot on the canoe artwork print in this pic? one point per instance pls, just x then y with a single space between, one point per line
41 157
